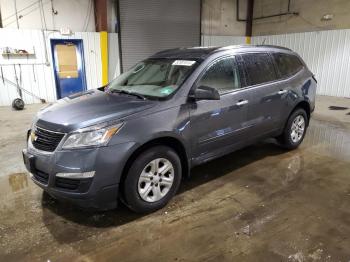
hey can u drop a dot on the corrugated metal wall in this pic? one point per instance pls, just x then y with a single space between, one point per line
150 26
327 53
35 75
113 56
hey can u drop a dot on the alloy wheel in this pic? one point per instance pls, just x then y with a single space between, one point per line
297 128
156 179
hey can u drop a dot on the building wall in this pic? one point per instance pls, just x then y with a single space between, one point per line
36 74
221 40
325 52
75 14
78 15
219 18
309 18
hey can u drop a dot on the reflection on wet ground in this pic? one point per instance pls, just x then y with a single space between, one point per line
258 204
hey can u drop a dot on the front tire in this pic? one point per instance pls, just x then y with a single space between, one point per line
295 129
153 179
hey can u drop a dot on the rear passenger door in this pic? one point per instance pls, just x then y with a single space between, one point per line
267 97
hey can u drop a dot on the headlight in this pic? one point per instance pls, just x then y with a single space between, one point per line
93 136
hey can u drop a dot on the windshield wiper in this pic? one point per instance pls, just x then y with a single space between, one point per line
128 93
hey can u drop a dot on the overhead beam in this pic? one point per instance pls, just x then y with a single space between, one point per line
249 22
100 7
1 26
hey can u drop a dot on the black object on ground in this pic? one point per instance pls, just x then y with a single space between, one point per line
337 108
18 104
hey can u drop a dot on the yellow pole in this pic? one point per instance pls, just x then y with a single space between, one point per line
247 40
104 56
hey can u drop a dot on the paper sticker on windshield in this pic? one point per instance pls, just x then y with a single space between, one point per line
183 62
167 90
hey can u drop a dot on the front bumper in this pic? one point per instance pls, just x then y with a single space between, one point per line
99 192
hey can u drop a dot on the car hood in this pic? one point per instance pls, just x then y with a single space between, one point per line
89 108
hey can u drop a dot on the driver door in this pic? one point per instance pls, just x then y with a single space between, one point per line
217 126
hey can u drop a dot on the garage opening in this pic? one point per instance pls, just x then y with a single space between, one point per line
154 25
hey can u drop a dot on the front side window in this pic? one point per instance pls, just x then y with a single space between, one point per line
287 65
155 78
259 68
223 75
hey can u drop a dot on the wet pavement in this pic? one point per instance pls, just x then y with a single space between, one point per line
258 204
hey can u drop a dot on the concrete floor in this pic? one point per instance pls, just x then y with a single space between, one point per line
258 204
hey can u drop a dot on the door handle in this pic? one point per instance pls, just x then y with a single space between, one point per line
242 102
281 92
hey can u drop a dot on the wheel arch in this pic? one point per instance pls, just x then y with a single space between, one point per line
169 141
303 105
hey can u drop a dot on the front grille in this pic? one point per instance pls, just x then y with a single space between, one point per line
41 177
80 185
46 140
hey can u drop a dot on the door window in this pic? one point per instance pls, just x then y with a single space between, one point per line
67 61
259 68
223 75
287 65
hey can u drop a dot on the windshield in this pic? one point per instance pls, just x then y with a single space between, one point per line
153 77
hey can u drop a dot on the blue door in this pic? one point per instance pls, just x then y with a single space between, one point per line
68 61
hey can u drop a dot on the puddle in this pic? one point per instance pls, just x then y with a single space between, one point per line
329 139
18 181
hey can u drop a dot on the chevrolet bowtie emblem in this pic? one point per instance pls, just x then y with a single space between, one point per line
33 137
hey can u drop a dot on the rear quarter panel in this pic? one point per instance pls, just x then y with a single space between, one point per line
303 88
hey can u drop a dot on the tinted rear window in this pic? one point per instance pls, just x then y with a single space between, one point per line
259 68
287 65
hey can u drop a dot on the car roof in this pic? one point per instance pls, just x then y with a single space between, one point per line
185 53
200 53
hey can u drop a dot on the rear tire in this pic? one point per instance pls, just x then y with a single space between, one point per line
295 129
153 179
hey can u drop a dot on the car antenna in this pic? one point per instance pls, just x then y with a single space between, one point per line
263 42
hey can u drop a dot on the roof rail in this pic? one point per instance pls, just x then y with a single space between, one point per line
252 46
275 46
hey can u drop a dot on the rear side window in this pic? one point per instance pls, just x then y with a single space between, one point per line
287 65
259 68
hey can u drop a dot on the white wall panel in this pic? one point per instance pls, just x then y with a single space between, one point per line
327 54
218 40
37 77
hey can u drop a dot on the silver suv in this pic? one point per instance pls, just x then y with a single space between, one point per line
137 137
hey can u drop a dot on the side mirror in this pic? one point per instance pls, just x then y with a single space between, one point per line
205 93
